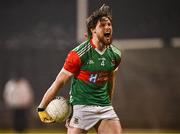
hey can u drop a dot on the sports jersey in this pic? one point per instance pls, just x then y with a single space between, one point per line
91 70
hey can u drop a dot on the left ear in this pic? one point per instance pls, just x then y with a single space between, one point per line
93 30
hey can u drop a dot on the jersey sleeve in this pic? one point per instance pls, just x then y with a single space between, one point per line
117 57
72 63
118 61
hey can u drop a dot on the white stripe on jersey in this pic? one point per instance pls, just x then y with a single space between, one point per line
83 50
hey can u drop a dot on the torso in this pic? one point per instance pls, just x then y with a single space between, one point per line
90 83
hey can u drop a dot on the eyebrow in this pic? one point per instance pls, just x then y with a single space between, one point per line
104 19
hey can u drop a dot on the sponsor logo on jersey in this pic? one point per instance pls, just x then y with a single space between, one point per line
99 77
90 62
93 78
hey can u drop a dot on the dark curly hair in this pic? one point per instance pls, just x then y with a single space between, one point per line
91 22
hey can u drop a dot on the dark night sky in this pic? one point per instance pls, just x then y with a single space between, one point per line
37 22
22 15
145 18
33 21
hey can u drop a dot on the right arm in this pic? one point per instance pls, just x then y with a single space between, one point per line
71 66
61 79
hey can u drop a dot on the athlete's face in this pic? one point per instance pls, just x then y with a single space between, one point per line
103 31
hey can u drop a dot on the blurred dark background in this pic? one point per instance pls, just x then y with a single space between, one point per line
35 37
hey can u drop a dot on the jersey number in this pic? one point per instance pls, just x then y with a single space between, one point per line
102 63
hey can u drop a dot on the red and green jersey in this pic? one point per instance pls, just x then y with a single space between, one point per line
91 69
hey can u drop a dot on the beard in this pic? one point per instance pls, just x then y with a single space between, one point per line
105 40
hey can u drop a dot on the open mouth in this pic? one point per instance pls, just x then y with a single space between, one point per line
107 34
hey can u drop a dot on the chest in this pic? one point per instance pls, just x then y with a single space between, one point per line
95 62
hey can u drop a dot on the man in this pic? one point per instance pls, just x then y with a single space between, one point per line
92 66
18 96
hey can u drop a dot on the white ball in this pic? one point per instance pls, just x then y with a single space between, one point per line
59 109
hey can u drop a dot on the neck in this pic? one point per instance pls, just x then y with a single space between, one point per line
98 44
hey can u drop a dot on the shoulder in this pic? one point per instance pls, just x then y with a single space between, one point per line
82 48
115 50
117 55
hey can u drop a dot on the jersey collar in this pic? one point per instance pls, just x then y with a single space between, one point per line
98 51
92 44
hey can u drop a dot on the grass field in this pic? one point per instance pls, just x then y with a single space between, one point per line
128 131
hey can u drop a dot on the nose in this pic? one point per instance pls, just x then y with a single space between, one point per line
108 27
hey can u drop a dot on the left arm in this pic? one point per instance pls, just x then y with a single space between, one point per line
114 72
112 84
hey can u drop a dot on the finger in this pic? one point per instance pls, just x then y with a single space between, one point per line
49 121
